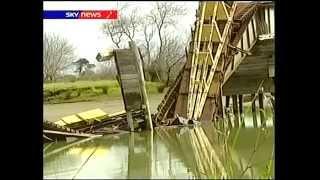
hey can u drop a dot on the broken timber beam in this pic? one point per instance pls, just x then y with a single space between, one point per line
239 49
70 134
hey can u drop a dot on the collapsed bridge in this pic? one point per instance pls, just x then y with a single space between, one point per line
231 54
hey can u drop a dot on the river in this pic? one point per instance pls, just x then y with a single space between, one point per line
198 151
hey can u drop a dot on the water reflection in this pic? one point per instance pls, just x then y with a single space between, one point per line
184 152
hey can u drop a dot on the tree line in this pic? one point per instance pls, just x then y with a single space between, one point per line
162 48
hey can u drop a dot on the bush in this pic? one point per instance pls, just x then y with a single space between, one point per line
68 94
96 91
114 91
105 90
83 90
78 93
161 88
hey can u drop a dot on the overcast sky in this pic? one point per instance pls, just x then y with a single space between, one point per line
86 35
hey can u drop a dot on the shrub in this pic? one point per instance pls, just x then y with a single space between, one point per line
68 94
78 93
80 90
161 88
95 91
105 90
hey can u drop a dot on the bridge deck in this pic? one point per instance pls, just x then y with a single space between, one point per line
253 69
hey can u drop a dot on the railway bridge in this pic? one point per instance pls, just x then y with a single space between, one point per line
231 54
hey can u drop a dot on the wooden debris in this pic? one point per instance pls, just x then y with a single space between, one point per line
69 134
95 114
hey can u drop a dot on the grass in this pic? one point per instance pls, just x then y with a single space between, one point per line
63 92
79 84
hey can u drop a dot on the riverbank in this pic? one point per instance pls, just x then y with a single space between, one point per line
83 91
53 112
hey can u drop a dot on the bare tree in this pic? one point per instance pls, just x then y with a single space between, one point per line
113 29
173 53
157 63
148 32
126 26
147 47
163 15
130 24
57 54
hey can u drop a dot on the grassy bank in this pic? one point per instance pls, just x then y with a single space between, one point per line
63 92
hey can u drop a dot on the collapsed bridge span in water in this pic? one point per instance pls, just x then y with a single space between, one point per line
231 54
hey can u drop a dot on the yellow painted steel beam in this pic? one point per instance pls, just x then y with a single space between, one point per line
95 114
215 61
198 88
71 119
193 97
195 59
60 123
206 30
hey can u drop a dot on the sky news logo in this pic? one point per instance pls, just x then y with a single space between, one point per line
83 14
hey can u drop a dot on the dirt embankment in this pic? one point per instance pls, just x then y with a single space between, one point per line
53 112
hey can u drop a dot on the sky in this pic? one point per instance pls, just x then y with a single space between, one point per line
86 35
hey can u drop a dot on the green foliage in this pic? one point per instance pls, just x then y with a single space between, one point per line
161 88
68 94
105 90
86 90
